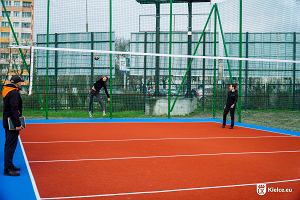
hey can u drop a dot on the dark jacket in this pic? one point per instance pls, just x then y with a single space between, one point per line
12 105
232 98
99 84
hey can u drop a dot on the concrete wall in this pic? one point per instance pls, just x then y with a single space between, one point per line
159 107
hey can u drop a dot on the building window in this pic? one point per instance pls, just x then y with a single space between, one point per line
5 34
15 56
16 24
26 25
26 4
17 14
17 3
4 45
4 55
4 15
26 14
4 68
25 36
7 3
4 24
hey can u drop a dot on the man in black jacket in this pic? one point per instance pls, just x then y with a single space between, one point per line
230 106
12 108
95 92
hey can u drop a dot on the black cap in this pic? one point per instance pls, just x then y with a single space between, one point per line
16 79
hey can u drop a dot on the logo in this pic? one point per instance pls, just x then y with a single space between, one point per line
261 189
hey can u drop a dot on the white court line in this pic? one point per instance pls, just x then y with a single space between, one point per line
36 192
155 139
173 190
170 156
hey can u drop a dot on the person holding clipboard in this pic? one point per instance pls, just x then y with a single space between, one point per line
12 118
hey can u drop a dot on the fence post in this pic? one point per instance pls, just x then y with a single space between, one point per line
56 69
215 65
246 70
189 74
92 59
294 70
203 71
157 48
145 70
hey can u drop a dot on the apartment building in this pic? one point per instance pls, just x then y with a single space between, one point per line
21 16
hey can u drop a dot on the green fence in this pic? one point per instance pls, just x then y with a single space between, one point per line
155 85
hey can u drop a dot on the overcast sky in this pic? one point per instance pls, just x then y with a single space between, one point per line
259 16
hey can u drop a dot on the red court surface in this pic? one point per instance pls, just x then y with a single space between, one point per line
167 161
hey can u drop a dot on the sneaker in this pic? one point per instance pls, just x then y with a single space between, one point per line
11 172
16 168
231 127
104 114
223 126
90 114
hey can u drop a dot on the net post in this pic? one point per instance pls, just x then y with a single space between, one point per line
31 70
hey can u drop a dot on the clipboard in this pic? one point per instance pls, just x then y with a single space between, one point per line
12 127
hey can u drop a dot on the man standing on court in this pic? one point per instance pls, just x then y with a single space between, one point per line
95 92
12 108
232 98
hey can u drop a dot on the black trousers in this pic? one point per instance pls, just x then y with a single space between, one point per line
226 111
100 100
11 141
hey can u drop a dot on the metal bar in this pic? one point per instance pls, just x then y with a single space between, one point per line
195 51
246 70
203 71
145 70
157 48
170 59
47 59
92 59
111 58
224 42
56 70
189 74
240 62
294 70
215 64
